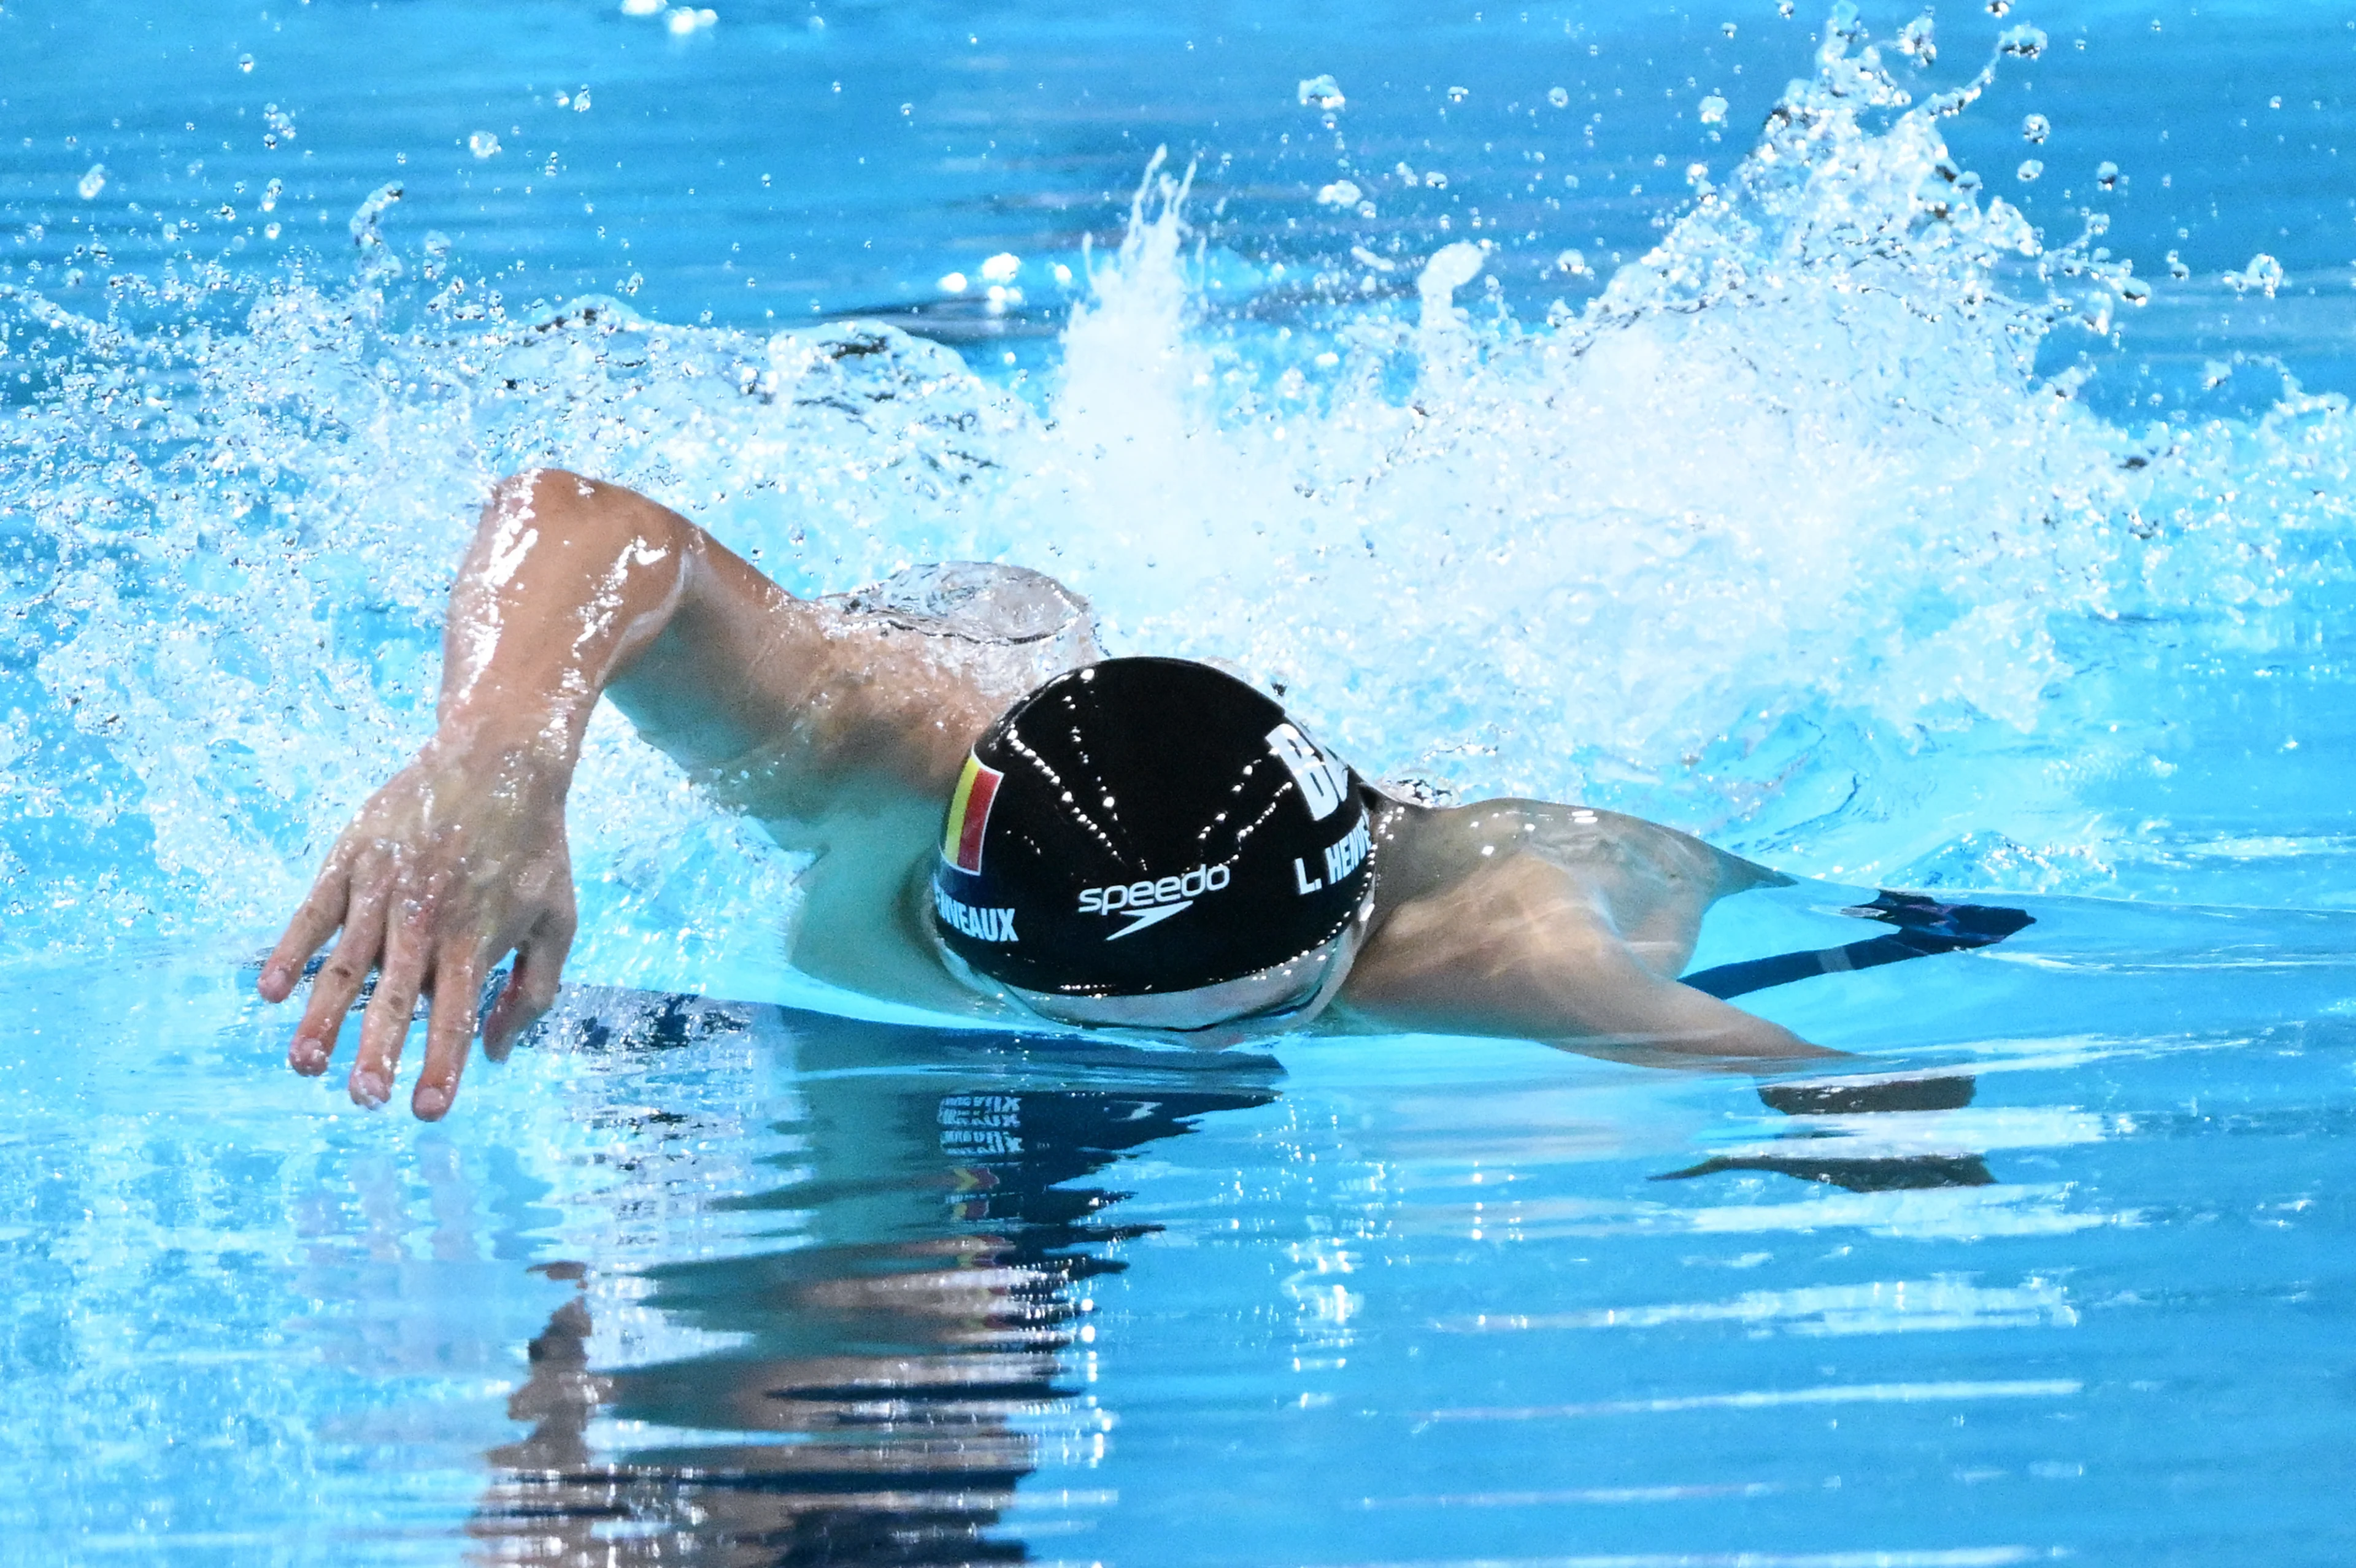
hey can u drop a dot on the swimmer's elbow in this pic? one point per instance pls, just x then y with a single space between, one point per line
545 491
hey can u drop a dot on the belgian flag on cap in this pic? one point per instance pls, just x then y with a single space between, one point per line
969 815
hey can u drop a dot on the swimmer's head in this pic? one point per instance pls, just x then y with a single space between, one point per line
1150 844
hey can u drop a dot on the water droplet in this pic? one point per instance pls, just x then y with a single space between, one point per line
2134 291
2030 169
1572 262
1001 268
92 183
364 218
1341 193
483 145
953 282
270 231
1713 109
1783 9
2036 128
641 8
271 193
2176 267
1436 180
1459 94
581 101
2025 41
1999 7
1558 98
2275 101
2106 174
245 63
2263 273
1321 92
1726 28
1915 39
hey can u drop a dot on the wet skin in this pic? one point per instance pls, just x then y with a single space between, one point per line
843 732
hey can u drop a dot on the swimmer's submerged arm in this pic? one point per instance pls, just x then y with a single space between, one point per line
1521 947
570 589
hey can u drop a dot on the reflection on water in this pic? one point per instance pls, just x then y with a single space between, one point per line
1840 1164
1434 1304
889 1379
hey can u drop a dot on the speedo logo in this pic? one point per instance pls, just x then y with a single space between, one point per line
1151 902
982 924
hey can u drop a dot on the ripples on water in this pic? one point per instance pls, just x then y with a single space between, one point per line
1801 525
713 1283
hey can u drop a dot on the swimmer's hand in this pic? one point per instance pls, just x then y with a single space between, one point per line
461 859
456 862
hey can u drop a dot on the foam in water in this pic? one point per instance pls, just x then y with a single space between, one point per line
1783 537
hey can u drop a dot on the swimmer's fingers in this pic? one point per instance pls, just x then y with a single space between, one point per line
449 1029
339 982
322 912
530 989
385 1027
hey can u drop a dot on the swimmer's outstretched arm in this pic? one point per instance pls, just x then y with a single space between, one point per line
570 588
1522 947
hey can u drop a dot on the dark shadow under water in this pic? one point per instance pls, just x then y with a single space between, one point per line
893 1371
896 1373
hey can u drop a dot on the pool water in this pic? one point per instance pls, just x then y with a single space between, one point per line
1608 437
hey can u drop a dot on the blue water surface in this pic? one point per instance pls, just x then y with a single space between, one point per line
1691 412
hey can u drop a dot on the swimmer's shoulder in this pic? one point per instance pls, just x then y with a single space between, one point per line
1023 626
1423 848
878 693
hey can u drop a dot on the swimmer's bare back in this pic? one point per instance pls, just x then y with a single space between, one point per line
841 725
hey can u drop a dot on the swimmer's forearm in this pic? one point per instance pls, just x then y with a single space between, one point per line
565 582
574 589
1611 1000
1743 1038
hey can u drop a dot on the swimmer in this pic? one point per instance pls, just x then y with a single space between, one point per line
1006 825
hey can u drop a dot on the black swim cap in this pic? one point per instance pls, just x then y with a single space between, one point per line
1144 826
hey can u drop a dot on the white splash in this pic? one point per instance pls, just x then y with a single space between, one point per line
1781 538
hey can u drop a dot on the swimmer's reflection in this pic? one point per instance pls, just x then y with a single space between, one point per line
894 1377
1829 1162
